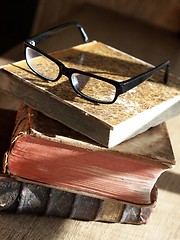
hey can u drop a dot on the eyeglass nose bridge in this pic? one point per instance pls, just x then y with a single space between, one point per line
65 71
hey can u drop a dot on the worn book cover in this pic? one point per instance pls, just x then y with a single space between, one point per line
26 198
135 111
46 152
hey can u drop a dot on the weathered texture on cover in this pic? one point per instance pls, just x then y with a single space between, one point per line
147 105
131 213
85 207
9 194
60 203
33 199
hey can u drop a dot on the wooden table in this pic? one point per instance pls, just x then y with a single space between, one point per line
163 224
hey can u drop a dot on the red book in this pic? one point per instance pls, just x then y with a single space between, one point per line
15 195
44 151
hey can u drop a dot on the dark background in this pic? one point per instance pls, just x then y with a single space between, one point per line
16 19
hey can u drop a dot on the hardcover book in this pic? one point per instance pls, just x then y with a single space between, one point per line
45 152
135 111
20 197
26 198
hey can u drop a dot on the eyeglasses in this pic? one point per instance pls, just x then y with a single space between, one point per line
92 87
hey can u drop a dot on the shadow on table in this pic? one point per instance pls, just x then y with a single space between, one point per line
169 181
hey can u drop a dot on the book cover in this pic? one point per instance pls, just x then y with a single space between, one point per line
135 111
45 152
26 198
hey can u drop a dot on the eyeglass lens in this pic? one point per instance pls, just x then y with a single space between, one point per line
89 86
93 88
42 65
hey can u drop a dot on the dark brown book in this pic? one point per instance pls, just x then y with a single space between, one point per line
45 152
135 111
19 197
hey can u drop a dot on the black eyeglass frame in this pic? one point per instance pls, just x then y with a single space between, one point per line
121 87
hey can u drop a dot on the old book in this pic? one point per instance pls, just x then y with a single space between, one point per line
26 198
20 197
135 111
45 152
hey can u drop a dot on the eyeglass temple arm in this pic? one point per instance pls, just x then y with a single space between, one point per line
43 36
133 82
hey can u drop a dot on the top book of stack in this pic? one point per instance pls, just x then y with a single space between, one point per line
135 111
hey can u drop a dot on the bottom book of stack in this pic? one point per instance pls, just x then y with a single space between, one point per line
79 201
20 197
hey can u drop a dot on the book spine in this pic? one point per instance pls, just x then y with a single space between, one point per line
20 197
24 119
22 122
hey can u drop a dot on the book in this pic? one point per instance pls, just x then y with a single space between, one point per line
46 152
149 104
20 197
26 198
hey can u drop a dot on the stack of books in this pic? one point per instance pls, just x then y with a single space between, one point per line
71 158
